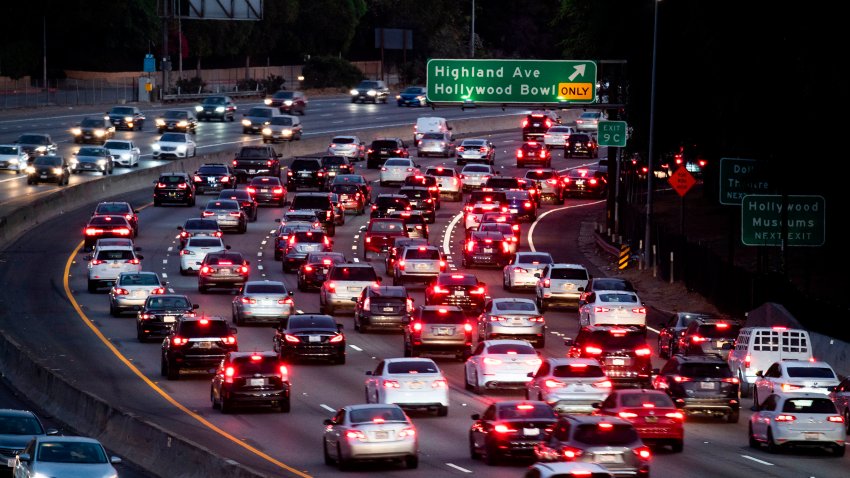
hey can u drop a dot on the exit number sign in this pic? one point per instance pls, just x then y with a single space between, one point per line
612 133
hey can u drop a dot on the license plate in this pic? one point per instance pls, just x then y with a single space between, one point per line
211 180
421 267
608 458
651 419
138 293
388 309
416 385
43 176
205 345
618 362
580 182
169 318
460 293
514 211
517 321
390 210
355 289
264 190
252 171
256 382
568 286
331 173
224 271
444 331
530 432
382 435
706 385
488 250
314 338
811 436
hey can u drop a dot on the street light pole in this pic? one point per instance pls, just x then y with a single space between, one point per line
472 33
650 173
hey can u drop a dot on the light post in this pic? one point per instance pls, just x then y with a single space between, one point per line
650 173
472 33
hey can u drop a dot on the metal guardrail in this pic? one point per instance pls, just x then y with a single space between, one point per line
201 96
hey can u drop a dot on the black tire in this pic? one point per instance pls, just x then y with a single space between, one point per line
92 287
141 336
410 462
114 311
163 367
225 405
442 411
332 231
156 203
677 446
327 456
772 446
213 402
491 456
756 406
342 464
838 451
473 453
733 417
540 343
285 405
173 373
752 439
202 289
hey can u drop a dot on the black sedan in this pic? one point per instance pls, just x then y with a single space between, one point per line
585 182
51 168
314 270
510 429
310 336
160 312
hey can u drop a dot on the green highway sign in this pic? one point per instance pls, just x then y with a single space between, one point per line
739 177
762 216
511 81
612 133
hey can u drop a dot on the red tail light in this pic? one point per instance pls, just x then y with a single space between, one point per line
291 339
158 291
401 264
599 309
470 246
439 290
519 153
197 179
251 189
502 428
643 453
229 372
123 231
697 339
249 300
208 213
119 291
571 453
467 327
331 286
179 340
553 383
524 123
785 418
643 352
627 415
747 361
161 185
442 265
234 213
182 186
97 262
675 415
134 261
205 270
639 310
603 384
416 326
835 419
235 162
479 291
336 338
391 384
592 350
225 179
277 190
547 283
229 340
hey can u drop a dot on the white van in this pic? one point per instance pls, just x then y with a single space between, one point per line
757 348
429 124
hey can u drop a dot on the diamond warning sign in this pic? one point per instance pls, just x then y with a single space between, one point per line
682 181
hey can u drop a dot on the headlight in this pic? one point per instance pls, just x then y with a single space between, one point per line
74 131
99 132
199 108
73 163
57 170
127 156
182 124
13 161
267 131
354 92
155 147
371 92
160 122
181 148
43 149
219 109
420 97
246 122
128 119
30 170
286 132
398 97
288 102
267 101
101 162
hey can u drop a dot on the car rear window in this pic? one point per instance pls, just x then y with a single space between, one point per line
305 165
249 366
226 259
309 236
265 289
201 224
525 411
311 322
311 202
568 273
344 188
335 258
476 168
172 179
163 303
577 370
517 305
612 284
108 221
386 226
810 372
415 193
384 144
204 242
342 140
208 169
138 279
224 205
348 273
197 328
114 255
613 435
390 292
418 366
642 399
48 161
706 370
505 229
457 279
519 349
540 174
487 196
445 172
397 162
420 254
368 415
613 341
239 194
249 152
534 259
439 136
502 183
265 181
809 405
713 331
579 137
619 297
334 160
443 316
113 208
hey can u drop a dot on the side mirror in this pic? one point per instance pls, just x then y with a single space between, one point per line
369 373
25 457
475 416
247 263
227 247
277 220
114 460
355 299
596 405
568 342
328 421
581 289
537 274
291 292
760 374
530 375
339 326
233 331
196 306
52 431
87 257
135 211
139 257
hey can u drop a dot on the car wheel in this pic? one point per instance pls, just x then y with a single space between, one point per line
847 420
407 351
491 456
141 336
677 446
541 304
752 438
476 387
202 289
173 373
746 389
411 462
332 231
733 417
285 406
225 405
473 453
442 411
541 343
327 456
838 450
243 228
114 311
238 319
772 446
341 463
505 285
329 309
756 400
92 286
466 383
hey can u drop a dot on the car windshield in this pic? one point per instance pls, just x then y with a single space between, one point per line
93 152
310 202
282 121
534 259
48 161
70 452
810 372
412 90
411 366
342 140
138 279
204 242
261 112
201 224
20 425
618 297
204 328
809 405
283 95
511 349
311 322
348 273
422 254
577 370
8 150
92 123
265 289
121 110
33 139
116 145
168 303
372 414
605 434
176 114
706 370
172 138
525 411
515 305
368 84
386 226
637 400
215 100
568 273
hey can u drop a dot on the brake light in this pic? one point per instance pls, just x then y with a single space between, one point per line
627 415
442 265
639 310
835 419
547 283
277 190
593 350
439 383
571 453
643 351
675 415
225 179
284 372
179 340
287 300
439 290
158 291
234 162
161 185
197 179
249 300
479 291
308 268
97 262
524 123
643 453
391 384
698 339
355 435
337 339
542 153
785 418
134 261
491 361
731 380
603 384
205 270
519 153
120 291
787 387
401 264
208 213
553 383
229 372
680 379
417 326
599 309
747 361
470 246
244 269
467 328
291 339
407 432
331 286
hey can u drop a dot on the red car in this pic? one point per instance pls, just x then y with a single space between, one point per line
381 233
652 412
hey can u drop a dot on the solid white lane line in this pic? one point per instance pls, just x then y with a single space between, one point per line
327 408
534 225
458 468
449 228
748 457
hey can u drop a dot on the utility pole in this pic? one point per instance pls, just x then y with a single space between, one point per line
649 175
472 33
44 63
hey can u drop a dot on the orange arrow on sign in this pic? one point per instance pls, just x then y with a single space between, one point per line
682 181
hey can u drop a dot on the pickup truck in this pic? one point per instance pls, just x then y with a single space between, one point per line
380 235
251 161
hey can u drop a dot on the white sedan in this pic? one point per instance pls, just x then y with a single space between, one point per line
794 376
519 273
612 307
395 170
411 383
192 255
796 419
370 432
124 152
473 176
175 145
500 364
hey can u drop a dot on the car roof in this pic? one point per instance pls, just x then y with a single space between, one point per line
263 353
113 242
512 299
562 265
708 358
788 395
568 360
265 281
13 412
594 419
492 342
450 308
804 363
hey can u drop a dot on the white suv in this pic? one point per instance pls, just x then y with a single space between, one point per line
109 258
560 284
448 180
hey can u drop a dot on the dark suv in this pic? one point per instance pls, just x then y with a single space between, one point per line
581 144
306 173
213 177
421 199
486 248
226 269
382 307
252 161
461 289
622 350
536 123
196 343
383 148
216 107
181 121
438 328
322 207
668 336
386 204
371 91
335 165
701 385
174 188
251 379
159 314
709 336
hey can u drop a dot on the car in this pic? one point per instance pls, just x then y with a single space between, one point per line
522 205
418 264
567 470
510 232
351 147
386 204
14 158
213 177
370 91
652 412
411 383
192 254
181 121
486 249
581 144
267 190
382 307
840 395
117 208
246 201
700 386
160 312
320 205
395 170
131 290
290 223
414 221
606 283
412 96
300 244
556 136
251 379
537 123
440 329
94 159
129 118
175 145
262 301
509 429
345 282
350 197
339 210
585 182
102 227
798 419
282 128
380 233
314 270
622 350
439 144
216 107
815 376
224 269
589 120
369 432
52 455
380 149
612 307
425 181
357 179
174 187
549 184
473 176
457 288
520 272
569 385
503 183
512 318
198 227
668 336
17 428
306 172
397 246
475 150
37 144
288 102
228 213
50 168
196 344
310 337
499 364
559 285
533 152
256 161
611 442
448 181
692 156
93 129
421 199
602 166
709 336
473 214
124 152
336 165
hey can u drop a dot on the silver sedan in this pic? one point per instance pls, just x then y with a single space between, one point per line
132 289
370 432
520 273
512 318
262 301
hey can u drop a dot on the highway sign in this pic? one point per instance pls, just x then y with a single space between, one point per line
761 220
739 177
612 133
149 64
511 81
682 180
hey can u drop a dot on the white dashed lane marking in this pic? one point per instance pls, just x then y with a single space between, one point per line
327 408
